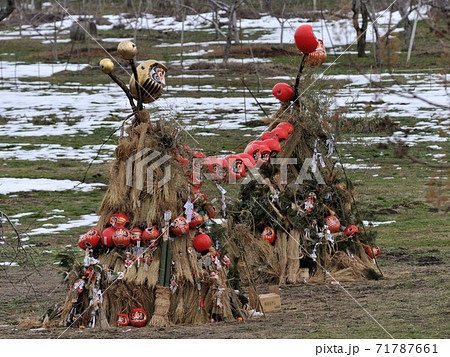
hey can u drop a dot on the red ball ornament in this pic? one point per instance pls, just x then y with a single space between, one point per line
305 40
285 125
283 92
202 242
107 237
333 223
118 220
138 317
136 235
180 226
349 230
196 220
81 243
281 133
122 237
122 320
91 238
268 234
150 236
373 252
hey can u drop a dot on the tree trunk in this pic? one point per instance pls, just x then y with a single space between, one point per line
377 51
235 27
7 10
404 9
360 8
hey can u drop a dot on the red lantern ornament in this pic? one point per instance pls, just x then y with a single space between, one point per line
81 243
180 226
136 235
373 252
138 317
349 230
318 56
202 242
283 92
333 223
281 133
268 234
285 125
118 220
196 220
210 211
150 236
91 238
107 237
122 320
122 237
305 40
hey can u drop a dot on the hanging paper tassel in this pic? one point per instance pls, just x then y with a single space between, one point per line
330 144
223 192
188 206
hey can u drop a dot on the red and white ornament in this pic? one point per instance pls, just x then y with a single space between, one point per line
150 236
268 234
179 226
196 220
136 235
122 320
118 220
138 317
91 238
373 252
122 237
333 223
305 40
349 230
283 92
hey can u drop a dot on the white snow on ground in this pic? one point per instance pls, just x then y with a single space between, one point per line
9 185
84 221
376 224
53 152
9 264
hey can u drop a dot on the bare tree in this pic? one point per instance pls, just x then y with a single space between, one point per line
404 8
359 8
379 38
279 14
231 7
7 10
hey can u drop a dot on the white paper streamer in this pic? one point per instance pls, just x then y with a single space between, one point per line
330 144
188 206
223 192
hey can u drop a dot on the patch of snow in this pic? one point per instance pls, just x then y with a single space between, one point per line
9 264
8 185
376 224
85 220
20 215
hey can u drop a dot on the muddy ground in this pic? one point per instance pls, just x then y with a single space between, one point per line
411 302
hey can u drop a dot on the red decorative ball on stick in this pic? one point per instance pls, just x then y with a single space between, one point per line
283 92
349 230
150 236
180 226
305 40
